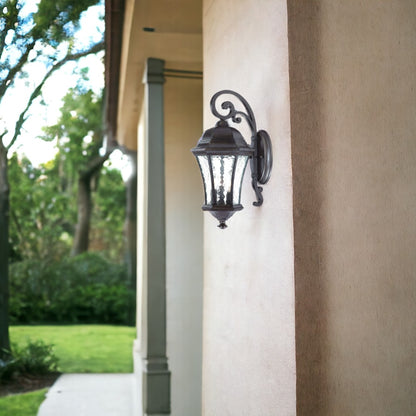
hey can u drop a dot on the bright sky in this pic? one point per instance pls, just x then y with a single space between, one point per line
37 150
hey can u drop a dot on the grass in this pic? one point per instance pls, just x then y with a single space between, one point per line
80 349
26 404
84 348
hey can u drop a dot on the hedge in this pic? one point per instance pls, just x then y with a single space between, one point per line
82 289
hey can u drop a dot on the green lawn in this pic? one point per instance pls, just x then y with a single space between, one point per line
80 349
22 404
84 348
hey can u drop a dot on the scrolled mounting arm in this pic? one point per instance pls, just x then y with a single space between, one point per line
234 114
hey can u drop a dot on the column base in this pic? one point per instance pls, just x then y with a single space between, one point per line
156 386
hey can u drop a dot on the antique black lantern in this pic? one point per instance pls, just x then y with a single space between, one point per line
222 155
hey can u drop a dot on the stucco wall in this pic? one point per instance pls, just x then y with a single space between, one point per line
353 79
184 263
249 333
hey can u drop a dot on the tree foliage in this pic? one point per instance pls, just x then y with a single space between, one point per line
100 192
107 234
44 205
78 130
41 216
43 34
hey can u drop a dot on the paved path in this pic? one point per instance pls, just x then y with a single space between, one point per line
90 395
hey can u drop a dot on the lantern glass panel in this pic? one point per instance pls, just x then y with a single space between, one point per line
222 170
238 178
206 177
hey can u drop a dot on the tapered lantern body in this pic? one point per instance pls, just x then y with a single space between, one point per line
222 155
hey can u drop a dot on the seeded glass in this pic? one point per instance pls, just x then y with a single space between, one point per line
206 176
238 178
222 170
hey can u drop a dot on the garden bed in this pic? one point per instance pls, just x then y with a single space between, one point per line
26 383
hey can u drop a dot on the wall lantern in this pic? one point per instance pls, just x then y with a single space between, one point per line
222 155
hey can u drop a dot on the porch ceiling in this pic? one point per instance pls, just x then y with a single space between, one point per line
177 38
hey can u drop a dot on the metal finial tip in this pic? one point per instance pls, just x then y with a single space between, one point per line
222 225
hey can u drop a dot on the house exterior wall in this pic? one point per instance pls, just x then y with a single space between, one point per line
353 77
333 83
184 227
249 321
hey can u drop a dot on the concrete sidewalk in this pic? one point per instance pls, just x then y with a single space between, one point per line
90 395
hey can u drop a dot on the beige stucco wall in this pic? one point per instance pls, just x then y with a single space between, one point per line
184 263
353 81
249 332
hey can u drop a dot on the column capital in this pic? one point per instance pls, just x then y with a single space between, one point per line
154 73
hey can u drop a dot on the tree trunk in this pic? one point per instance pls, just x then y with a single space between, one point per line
4 254
131 234
85 182
82 231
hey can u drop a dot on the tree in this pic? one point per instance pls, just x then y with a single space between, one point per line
108 215
130 228
41 215
44 36
79 133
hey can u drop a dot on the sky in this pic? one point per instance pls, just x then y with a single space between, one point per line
37 150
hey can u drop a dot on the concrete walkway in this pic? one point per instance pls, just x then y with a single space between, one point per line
90 395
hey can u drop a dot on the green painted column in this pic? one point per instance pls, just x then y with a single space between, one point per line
156 374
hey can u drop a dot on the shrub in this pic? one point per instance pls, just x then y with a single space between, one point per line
82 289
35 358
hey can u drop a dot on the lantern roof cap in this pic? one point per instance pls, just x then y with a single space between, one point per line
222 139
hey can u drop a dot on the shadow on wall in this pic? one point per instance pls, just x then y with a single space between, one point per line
307 137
